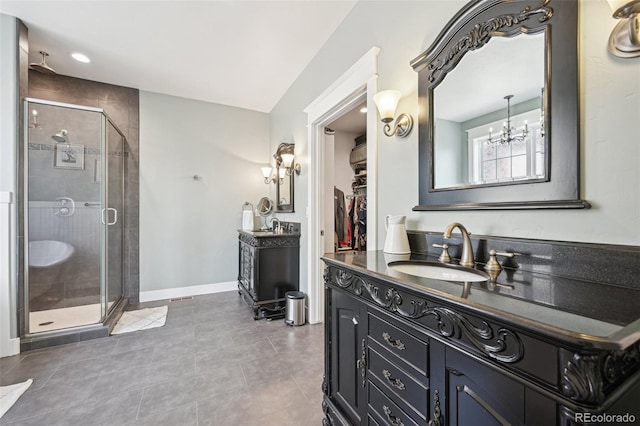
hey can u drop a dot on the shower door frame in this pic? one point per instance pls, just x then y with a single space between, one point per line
104 242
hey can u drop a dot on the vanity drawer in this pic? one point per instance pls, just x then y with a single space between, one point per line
386 411
409 348
412 393
371 421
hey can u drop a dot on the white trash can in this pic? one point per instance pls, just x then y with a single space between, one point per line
294 309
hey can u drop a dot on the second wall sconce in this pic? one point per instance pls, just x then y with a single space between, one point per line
387 102
266 172
625 37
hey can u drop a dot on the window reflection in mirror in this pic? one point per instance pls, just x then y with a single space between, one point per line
471 115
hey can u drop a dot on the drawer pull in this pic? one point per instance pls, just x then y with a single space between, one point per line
397 344
392 419
396 383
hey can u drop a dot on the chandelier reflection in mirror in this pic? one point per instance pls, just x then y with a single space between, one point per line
517 153
509 134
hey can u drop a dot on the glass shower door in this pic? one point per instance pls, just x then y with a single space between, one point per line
114 215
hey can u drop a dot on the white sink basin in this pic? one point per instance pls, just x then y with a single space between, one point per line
439 272
45 253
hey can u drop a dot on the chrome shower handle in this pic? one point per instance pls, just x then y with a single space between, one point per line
64 209
115 216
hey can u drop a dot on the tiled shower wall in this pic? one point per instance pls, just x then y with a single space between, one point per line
121 104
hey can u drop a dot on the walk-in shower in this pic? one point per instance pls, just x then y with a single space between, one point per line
74 211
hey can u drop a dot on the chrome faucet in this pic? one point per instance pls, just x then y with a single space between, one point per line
276 229
467 250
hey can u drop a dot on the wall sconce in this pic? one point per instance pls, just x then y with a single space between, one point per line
284 156
266 172
625 37
387 102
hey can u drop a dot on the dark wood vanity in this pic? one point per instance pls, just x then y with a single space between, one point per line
268 267
555 340
407 350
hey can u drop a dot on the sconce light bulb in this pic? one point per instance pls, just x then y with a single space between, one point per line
287 160
387 102
266 171
34 112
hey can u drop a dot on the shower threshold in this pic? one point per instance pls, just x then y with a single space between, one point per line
56 319
70 325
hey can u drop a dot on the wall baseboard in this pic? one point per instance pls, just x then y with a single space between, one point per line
10 347
194 290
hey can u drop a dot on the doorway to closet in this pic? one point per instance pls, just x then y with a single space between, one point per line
345 185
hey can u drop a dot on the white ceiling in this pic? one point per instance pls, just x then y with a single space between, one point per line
479 83
232 52
352 121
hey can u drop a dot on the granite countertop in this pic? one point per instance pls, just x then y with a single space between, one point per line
580 312
268 234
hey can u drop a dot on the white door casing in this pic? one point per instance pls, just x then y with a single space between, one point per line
357 84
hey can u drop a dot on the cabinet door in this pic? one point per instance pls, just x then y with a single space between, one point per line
246 267
472 393
347 363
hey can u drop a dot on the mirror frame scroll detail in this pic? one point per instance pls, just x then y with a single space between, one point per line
472 28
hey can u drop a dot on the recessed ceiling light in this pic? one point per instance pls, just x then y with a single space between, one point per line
80 58
363 110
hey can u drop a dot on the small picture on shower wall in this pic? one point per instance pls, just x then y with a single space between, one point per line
68 156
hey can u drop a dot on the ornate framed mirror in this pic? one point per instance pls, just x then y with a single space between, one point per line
498 94
284 177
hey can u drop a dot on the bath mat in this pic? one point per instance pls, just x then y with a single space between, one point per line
142 319
10 394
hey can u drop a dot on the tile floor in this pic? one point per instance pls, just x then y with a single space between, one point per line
211 364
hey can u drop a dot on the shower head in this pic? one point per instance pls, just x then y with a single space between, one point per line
60 137
42 66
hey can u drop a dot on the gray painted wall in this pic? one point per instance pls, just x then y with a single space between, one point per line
188 229
610 104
